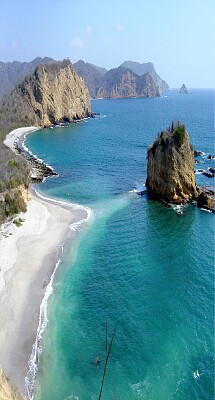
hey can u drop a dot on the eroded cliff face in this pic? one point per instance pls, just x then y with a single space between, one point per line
170 169
53 93
123 83
7 390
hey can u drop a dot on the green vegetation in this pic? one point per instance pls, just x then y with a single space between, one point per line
18 222
179 134
12 163
13 205
14 172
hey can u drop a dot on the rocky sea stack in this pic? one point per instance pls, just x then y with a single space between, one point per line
170 169
53 93
183 89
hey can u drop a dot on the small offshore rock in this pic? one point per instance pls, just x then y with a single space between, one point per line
198 153
208 174
206 200
183 89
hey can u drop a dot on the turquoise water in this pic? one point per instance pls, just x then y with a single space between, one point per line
138 264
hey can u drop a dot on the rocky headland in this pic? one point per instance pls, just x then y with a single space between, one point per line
123 83
130 79
170 170
54 93
97 79
144 68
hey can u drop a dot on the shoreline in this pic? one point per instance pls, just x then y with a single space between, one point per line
30 257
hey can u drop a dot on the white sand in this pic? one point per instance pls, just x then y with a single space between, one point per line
13 137
27 261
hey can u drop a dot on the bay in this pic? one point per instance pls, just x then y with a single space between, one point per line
138 264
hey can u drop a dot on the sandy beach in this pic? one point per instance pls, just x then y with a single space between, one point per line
28 258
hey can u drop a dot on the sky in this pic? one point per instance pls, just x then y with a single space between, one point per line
177 36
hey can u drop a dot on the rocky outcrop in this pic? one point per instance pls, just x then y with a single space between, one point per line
206 198
38 170
144 68
7 390
52 94
123 83
183 89
170 169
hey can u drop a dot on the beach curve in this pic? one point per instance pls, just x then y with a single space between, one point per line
29 258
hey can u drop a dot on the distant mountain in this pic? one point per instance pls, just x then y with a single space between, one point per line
100 69
123 83
53 93
13 72
91 75
141 69
99 81
119 83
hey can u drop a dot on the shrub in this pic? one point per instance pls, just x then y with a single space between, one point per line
12 163
11 206
18 222
179 134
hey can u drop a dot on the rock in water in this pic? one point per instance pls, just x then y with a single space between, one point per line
183 89
170 169
206 199
53 93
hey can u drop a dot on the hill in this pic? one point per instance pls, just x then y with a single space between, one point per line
123 83
141 69
13 72
52 94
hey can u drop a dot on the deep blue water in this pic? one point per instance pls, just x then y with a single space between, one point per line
138 264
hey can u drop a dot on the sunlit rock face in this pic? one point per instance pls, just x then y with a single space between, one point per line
170 169
53 93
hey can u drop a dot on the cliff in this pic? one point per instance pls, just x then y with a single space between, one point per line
52 94
123 83
144 68
128 80
13 72
170 169
7 390
183 89
91 75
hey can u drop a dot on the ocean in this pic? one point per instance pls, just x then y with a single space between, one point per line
137 264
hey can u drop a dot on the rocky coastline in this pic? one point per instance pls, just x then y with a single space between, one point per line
38 169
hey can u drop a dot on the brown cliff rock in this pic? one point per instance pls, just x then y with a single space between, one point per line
170 169
206 199
123 83
53 93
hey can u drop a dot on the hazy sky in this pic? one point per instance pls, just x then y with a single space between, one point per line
177 36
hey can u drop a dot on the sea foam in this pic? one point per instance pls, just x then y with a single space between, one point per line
30 380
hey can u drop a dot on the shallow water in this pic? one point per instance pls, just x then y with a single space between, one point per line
139 265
